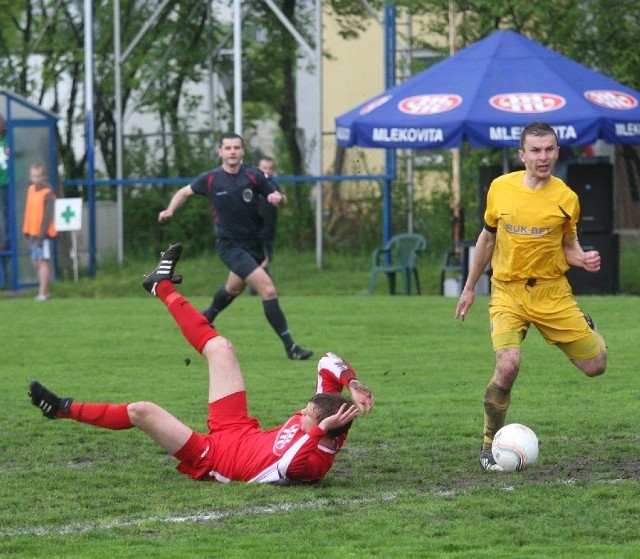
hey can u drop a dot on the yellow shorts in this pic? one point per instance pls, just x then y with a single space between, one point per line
547 304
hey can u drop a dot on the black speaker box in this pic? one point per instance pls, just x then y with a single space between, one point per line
606 281
593 183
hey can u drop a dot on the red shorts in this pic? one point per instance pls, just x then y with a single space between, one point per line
213 456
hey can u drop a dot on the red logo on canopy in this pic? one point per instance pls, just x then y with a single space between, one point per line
611 99
527 102
374 104
429 104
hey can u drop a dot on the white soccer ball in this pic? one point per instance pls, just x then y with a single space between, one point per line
515 447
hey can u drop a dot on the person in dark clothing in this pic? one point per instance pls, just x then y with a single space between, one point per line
233 190
269 212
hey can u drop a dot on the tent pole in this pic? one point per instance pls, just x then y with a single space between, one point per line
237 66
390 79
455 152
90 131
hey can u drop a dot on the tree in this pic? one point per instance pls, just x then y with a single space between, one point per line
42 58
42 44
601 34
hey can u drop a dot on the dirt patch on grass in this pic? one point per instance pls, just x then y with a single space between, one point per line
585 469
581 470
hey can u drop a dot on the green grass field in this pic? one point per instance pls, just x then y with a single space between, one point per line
407 483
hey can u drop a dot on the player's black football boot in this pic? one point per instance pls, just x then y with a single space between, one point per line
164 269
298 353
47 401
487 461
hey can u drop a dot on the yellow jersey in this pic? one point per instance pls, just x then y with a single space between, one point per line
530 224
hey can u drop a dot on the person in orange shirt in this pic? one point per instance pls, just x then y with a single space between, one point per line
39 226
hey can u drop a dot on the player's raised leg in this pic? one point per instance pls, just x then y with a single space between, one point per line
194 327
164 269
225 376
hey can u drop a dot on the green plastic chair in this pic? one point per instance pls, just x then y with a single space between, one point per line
398 256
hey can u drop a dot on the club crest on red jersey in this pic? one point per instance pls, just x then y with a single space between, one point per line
286 434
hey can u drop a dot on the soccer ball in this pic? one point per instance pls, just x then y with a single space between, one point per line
515 447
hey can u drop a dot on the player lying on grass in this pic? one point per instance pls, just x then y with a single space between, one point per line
236 448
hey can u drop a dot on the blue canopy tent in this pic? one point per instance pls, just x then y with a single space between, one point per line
486 93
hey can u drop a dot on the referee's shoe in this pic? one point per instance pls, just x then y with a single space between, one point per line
298 353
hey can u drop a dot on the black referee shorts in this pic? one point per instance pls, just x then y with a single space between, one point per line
241 256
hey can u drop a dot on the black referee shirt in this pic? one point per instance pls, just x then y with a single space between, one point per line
233 200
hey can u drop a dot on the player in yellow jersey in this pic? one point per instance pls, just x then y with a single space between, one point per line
530 238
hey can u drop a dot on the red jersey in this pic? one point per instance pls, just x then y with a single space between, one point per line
237 449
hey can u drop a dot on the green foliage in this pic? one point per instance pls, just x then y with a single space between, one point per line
296 219
177 50
407 483
601 34
342 271
629 266
143 232
143 202
610 42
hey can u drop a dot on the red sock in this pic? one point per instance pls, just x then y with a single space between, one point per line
109 416
194 326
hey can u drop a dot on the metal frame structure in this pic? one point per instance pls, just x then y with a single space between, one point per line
20 113
313 54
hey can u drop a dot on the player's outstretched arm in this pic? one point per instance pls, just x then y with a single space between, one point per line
484 250
179 198
335 374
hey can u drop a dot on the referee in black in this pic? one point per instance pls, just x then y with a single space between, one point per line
233 190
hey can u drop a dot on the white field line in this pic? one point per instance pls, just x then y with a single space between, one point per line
80 527
84 527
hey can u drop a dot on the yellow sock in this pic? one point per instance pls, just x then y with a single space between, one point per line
496 404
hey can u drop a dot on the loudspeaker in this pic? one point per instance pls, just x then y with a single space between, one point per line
487 174
606 281
593 183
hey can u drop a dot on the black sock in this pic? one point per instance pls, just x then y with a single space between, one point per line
221 300
278 322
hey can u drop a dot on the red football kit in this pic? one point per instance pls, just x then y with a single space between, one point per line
237 449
